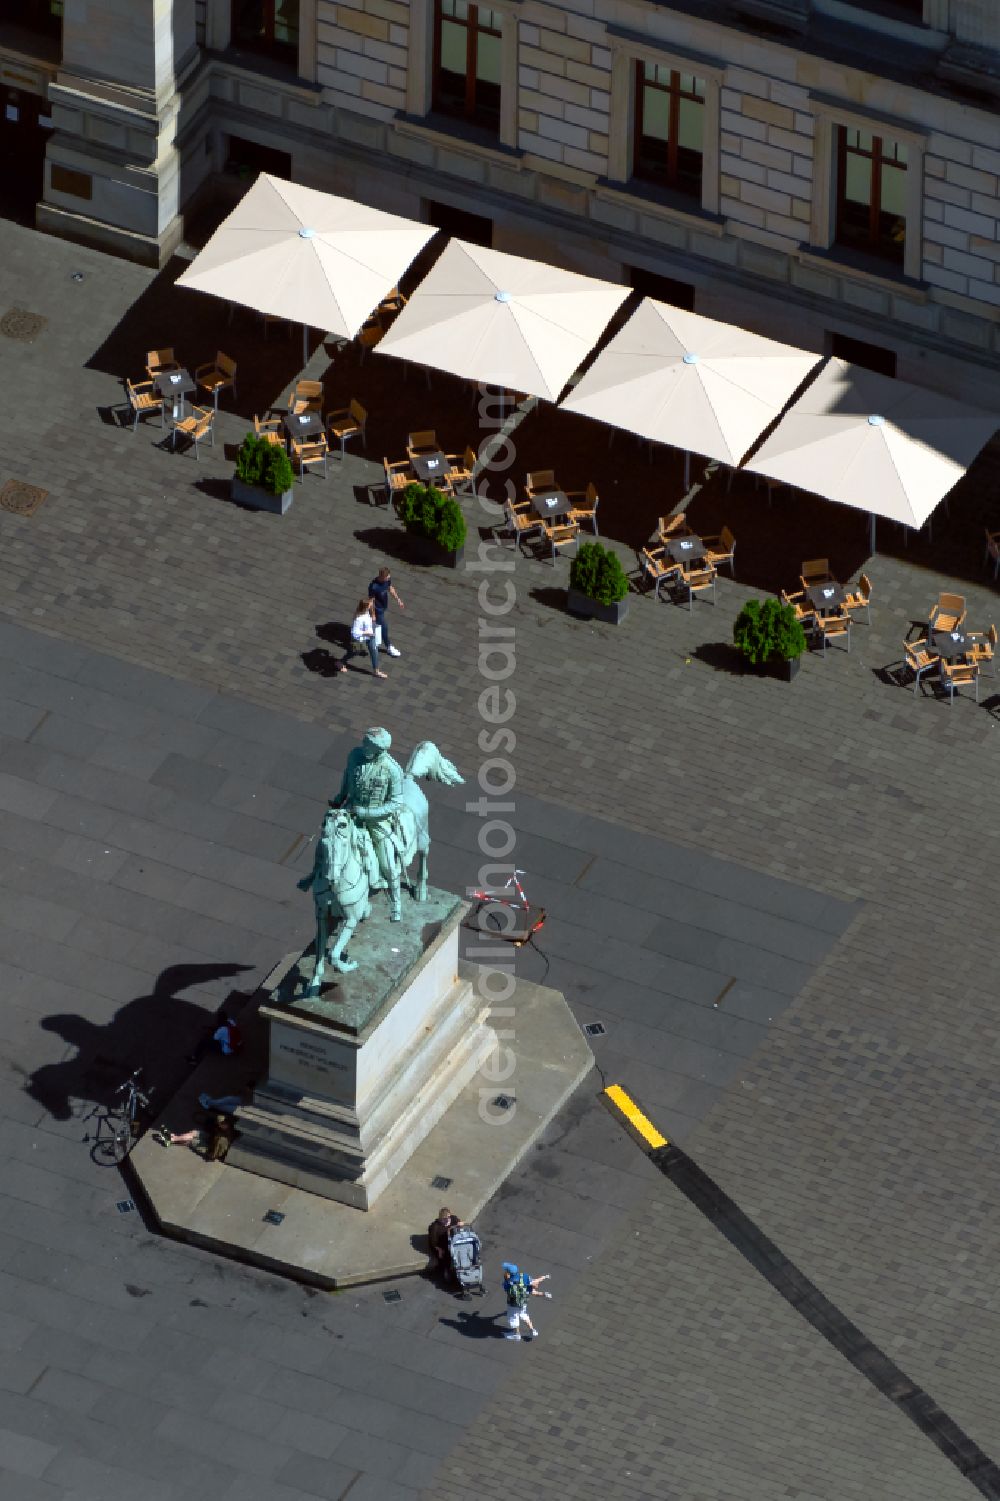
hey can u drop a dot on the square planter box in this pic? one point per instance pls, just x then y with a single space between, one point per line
586 608
259 499
424 550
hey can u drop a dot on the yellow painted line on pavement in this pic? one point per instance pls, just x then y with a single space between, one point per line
634 1117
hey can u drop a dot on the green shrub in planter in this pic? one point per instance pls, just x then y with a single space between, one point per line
768 631
265 465
598 573
427 512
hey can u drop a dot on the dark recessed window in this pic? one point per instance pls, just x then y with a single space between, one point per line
73 184
905 10
662 288
42 16
669 128
871 193
476 229
247 158
267 26
467 48
860 352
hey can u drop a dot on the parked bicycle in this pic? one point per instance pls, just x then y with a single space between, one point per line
119 1124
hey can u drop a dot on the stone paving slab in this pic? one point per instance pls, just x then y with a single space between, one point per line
843 785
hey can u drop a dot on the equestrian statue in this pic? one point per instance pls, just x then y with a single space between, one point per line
372 830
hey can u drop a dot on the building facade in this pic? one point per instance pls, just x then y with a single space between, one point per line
823 171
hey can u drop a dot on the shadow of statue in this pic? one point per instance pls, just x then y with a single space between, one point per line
154 1032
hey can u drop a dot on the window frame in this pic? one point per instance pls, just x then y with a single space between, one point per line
266 45
828 114
473 112
671 179
626 51
873 243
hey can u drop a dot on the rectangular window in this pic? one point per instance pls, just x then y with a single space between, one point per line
871 193
669 128
270 27
460 224
73 184
467 51
662 288
860 352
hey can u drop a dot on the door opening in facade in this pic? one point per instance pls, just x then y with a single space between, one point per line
25 126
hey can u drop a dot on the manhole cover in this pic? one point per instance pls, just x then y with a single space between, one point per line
20 498
18 323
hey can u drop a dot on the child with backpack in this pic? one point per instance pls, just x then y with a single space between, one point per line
518 1288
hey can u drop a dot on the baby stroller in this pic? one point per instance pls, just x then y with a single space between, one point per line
466 1260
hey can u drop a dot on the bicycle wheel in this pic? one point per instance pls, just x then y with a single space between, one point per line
124 1140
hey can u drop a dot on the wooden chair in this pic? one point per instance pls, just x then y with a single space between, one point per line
307 452
393 303
955 674
816 571
829 627
346 423
143 398
696 578
270 429
948 613
721 549
861 597
461 474
560 534
588 510
918 657
217 376
306 396
397 477
984 648
160 362
421 443
540 479
200 424
672 526
519 523
805 613
657 568
370 334
992 550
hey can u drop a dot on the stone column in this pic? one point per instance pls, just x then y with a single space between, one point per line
113 172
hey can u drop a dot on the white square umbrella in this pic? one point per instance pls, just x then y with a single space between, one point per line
310 257
676 377
502 320
878 444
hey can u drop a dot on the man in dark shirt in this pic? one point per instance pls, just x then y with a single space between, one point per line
380 591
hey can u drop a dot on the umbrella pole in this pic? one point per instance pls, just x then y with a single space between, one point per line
305 346
687 469
871 535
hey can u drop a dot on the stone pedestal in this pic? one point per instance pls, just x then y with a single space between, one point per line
360 1074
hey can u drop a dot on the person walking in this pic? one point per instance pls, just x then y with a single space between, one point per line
363 630
380 591
518 1287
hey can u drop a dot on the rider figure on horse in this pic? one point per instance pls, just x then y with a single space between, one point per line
372 791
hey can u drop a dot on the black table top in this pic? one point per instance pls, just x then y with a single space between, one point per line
551 504
826 597
430 468
301 425
950 644
175 383
685 549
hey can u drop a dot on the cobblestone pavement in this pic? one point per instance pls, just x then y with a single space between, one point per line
860 1133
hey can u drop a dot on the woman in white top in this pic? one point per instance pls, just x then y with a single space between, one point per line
363 629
